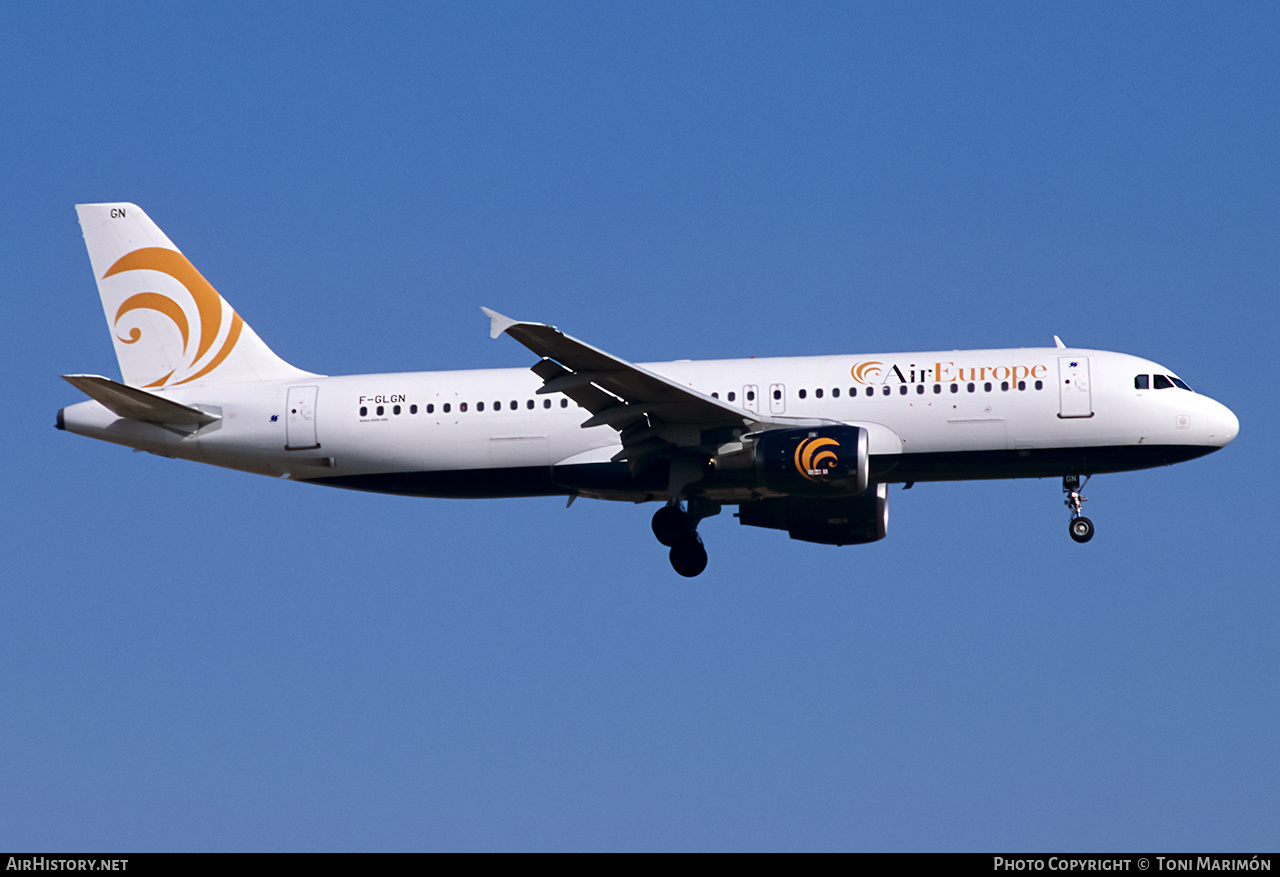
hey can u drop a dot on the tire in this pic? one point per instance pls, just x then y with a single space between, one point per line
671 525
1081 529
689 557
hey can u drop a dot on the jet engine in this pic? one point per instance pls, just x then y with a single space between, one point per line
821 462
850 520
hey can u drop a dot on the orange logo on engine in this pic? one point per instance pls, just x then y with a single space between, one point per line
815 458
209 308
866 372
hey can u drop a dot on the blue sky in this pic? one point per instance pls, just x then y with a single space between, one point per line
198 659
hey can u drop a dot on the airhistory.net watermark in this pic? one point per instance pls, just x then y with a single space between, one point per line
42 863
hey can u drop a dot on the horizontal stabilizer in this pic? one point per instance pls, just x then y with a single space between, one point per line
134 404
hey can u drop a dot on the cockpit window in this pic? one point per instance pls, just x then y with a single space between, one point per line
1162 382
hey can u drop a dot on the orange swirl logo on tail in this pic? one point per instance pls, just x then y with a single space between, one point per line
866 372
815 457
209 310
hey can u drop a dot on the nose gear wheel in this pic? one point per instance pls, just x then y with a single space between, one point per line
1080 527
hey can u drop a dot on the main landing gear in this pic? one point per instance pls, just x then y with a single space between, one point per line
678 530
1081 528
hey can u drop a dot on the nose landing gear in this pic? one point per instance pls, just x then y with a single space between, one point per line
678 530
1081 528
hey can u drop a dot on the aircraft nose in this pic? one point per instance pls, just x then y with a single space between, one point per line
1225 425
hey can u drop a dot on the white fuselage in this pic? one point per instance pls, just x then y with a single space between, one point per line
1024 412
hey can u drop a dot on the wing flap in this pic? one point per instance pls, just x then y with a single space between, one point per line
586 366
585 393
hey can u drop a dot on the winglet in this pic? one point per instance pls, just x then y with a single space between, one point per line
498 323
1057 342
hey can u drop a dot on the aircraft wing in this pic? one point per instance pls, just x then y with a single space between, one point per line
654 415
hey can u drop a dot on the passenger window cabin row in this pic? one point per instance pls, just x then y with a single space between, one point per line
887 390
447 407
1140 382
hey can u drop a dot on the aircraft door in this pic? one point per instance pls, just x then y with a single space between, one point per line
300 420
1075 396
751 398
777 399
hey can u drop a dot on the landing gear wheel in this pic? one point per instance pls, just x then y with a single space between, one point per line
671 525
688 556
1081 529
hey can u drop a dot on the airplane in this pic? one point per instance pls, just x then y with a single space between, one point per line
805 444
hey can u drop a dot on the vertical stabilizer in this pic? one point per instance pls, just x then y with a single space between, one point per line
169 325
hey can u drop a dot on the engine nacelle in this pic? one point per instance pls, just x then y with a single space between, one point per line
850 520
819 462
